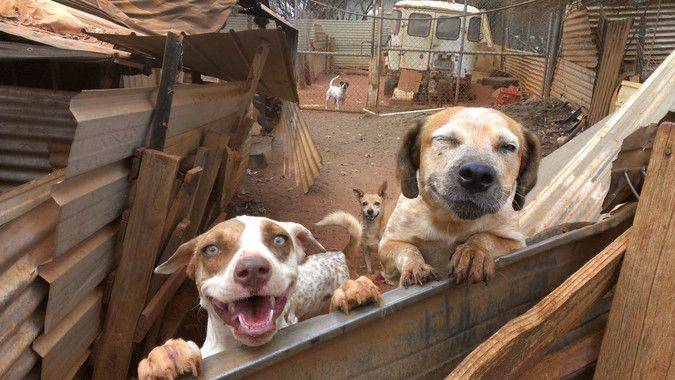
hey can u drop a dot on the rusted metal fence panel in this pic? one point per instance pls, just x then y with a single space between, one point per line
574 83
529 70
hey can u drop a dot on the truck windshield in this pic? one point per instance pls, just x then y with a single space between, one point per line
419 24
397 23
474 30
447 28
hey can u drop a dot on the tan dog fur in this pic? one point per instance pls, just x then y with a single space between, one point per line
434 223
373 221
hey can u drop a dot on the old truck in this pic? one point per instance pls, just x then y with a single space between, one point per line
423 49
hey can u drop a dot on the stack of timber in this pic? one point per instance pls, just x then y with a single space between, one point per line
634 341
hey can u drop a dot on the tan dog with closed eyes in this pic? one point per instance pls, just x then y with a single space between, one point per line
464 174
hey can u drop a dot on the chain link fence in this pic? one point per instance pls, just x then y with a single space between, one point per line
456 54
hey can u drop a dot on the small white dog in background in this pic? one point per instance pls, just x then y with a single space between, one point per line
339 93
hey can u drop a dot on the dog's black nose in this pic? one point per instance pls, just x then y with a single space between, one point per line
252 271
476 177
370 211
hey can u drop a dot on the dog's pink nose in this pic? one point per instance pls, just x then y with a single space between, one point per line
252 272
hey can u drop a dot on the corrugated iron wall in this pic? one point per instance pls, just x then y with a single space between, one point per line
578 42
36 130
528 70
573 82
660 30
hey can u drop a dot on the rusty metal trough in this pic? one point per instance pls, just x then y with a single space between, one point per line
424 332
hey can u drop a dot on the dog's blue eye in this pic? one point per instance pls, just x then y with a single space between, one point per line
280 240
509 147
211 249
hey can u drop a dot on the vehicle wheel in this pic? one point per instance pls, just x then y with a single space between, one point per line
390 83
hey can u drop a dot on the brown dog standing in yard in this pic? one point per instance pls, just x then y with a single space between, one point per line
464 174
373 221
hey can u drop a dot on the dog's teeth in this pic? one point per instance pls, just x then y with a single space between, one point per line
270 316
230 307
272 299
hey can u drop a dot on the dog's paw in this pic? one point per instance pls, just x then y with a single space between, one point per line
472 264
354 293
176 357
417 274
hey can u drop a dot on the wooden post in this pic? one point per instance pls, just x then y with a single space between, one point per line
522 341
139 254
171 63
254 74
640 339
615 35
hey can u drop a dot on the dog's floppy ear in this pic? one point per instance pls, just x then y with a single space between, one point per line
179 259
529 166
409 160
304 238
382 191
358 193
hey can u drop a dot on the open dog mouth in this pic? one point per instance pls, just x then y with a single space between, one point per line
370 217
252 317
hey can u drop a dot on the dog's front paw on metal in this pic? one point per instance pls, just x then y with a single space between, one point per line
176 357
354 293
472 264
417 274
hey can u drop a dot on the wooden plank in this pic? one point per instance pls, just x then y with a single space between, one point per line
26 197
113 123
182 205
215 143
576 356
89 202
76 274
613 45
639 342
157 304
186 143
176 239
523 340
62 348
139 254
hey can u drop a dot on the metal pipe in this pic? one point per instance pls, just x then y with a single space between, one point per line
462 36
479 52
552 53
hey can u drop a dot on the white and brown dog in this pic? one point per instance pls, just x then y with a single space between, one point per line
373 221
339 93
254 278
464 174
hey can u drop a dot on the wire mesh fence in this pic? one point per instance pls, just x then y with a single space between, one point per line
451 53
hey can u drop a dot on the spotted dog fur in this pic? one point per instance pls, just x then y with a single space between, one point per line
253 278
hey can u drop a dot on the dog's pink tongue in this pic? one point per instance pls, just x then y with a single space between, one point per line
255 310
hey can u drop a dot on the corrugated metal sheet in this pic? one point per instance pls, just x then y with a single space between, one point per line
660 31
33 124
578 44
528 70
573 82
